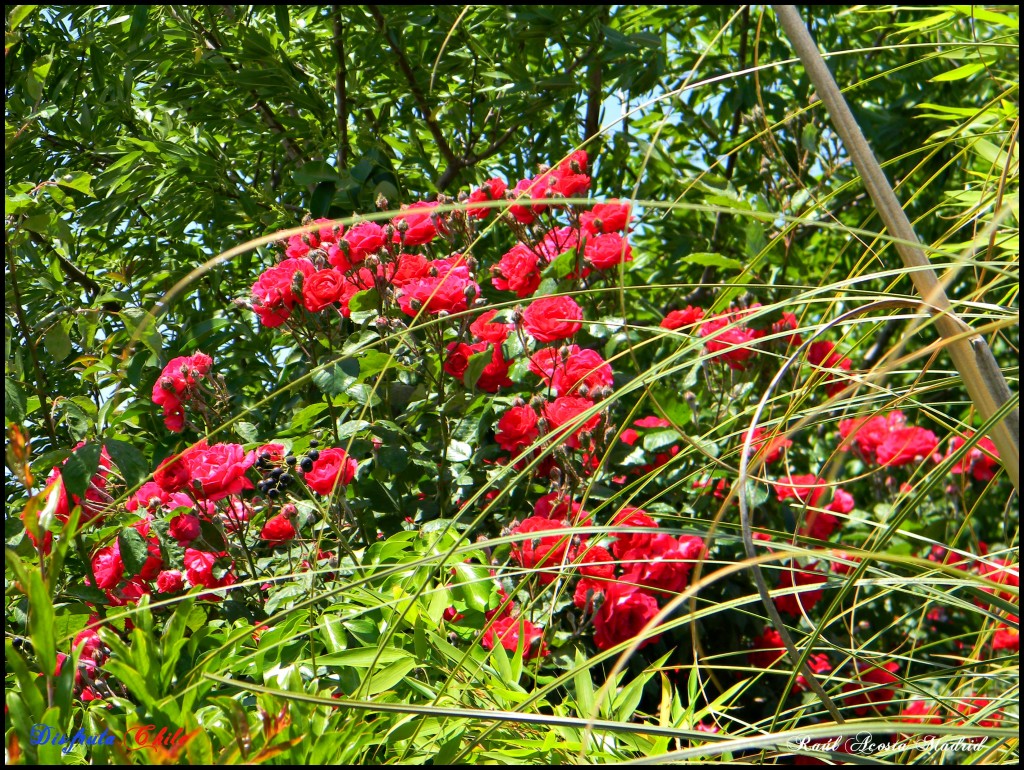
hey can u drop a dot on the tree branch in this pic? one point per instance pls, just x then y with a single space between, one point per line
340 94
211 41
417 93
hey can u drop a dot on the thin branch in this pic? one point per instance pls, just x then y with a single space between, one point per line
340 94
39 384
421 100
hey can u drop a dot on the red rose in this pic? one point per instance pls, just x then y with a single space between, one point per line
557 241
449 290
552 318
804 599
732 342
495 373
906 445
219 469
874 687
680 318
543 552
414 226
568 179
866 433
631 517
609 217
483 328
518 270
107 567
177 384
789 321
546 361
822 354
362 240
527 189
332 468
272 293
509 630
409 268
322 289
517 429
806 488
770 446
607 251
172 475
663 564
768 649
492 190
170 581
624 612
583 367
278 529
565 411
200 569
457 361
979 460
184 528
556 507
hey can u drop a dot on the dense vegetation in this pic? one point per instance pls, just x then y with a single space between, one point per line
504 384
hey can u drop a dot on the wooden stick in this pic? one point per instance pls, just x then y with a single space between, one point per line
971 354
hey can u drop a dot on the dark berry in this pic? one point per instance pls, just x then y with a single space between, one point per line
276 473
290 459
273 492
284 480
314 443
306 464
313 454
265 456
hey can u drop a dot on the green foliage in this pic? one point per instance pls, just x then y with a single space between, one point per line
141 142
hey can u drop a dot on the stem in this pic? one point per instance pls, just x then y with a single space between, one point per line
40 385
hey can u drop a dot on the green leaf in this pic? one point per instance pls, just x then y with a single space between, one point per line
134 551
959 73
364 301
709 259
129 461
57 342
336 378
18 14
389 676
472 585
77 180
15 403
247 431
562 265
283 22
477 363
364 657
80 468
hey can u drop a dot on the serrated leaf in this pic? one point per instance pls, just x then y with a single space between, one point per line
134 551
336 378
128 460
247 431
458 452
80 468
